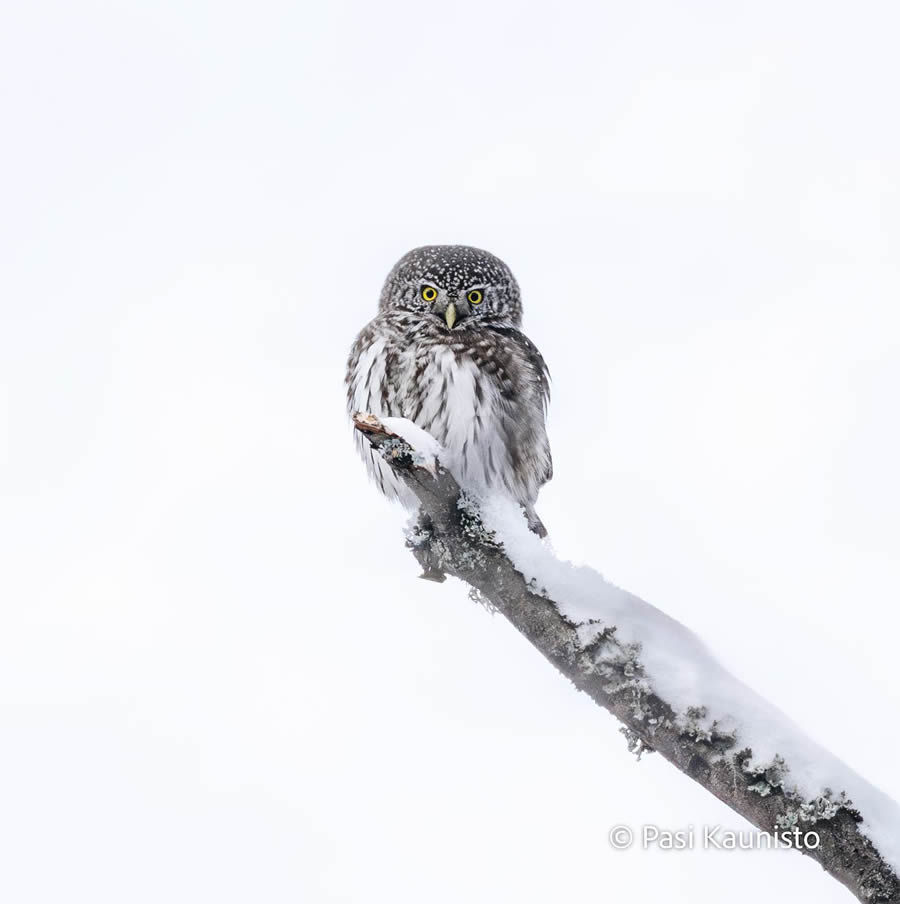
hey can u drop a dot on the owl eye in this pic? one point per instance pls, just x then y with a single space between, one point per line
475 297
429 293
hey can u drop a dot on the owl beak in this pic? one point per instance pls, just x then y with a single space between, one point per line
450 315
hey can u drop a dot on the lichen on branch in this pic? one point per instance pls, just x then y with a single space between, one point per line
633 660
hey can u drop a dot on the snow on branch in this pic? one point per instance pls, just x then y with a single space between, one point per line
651 672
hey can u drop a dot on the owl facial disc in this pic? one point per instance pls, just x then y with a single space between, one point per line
480 286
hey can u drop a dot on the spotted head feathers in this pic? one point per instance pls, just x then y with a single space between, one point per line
479 285
446 351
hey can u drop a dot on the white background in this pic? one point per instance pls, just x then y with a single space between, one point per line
220 679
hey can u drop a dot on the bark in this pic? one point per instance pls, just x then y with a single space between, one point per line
450 539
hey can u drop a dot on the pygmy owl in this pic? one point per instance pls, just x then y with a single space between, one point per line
446 351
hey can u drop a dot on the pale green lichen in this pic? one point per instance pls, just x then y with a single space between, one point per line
590 637
768 776
398 452
471 523
636 744
823 807
763 789
691 723
696 725
478 597
623 672
773 777
479 540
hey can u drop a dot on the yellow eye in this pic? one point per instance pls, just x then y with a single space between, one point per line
429 293
475 297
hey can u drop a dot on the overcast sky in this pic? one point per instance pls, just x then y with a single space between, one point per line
220 679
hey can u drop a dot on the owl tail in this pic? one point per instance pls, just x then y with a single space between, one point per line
535 523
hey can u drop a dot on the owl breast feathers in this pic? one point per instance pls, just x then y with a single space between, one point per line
446 352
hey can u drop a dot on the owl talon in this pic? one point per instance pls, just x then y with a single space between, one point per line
535 524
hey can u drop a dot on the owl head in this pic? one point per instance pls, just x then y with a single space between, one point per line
454 286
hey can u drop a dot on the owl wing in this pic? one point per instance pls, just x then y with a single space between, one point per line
525 387
541 372
368 391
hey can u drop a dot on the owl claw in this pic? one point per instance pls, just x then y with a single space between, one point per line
534 522
428 462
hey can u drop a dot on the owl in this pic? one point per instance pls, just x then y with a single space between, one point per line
446 352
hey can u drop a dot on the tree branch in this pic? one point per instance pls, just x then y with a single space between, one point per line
854 823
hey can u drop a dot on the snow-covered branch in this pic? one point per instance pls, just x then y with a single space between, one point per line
654 675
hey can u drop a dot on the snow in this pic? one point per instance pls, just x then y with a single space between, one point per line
425 445
681 670
220 678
